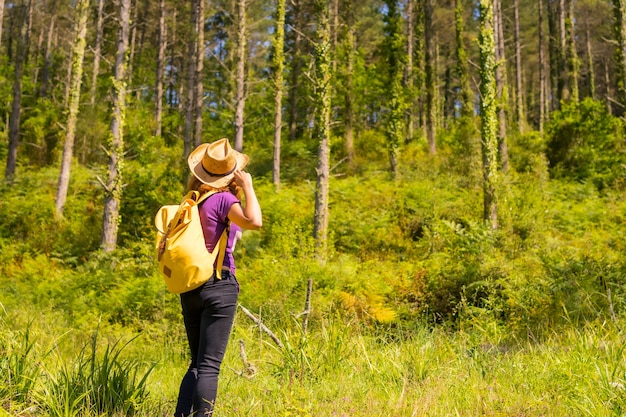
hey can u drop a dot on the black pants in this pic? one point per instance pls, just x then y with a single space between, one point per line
208 313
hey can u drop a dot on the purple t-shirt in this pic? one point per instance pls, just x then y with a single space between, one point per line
214 218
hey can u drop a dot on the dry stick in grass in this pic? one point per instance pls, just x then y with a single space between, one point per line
307 306
249 370
261 326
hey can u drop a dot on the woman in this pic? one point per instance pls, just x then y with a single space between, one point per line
209 310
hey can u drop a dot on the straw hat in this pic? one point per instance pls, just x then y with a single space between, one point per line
215 163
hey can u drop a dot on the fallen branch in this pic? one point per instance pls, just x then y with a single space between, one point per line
262 326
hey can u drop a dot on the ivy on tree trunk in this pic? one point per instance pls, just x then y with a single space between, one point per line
113 186
322 126
488 109
80 17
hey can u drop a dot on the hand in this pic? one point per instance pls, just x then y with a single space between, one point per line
243 179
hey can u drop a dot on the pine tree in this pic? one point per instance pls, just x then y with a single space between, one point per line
193 47
488 110
113 186
573 61
16 105
462 66
160 70
241 74
80 18
430 77
519 96
543 80
350 50
396 61
96 51
1 18
619 31
198 86
278 68
47 66
501 83
322 79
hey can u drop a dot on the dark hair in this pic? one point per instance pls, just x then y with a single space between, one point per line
195 184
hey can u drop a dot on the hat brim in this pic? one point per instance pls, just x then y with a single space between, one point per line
195 165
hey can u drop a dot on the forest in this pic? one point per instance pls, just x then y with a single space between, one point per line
442 185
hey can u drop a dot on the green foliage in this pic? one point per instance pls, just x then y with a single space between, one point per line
27 211
586 143
43 133
461 144
527 154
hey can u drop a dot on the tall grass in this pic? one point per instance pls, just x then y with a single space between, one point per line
337 368
19 368
88 383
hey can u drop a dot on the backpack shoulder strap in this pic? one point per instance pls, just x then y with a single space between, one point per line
221 247
199 199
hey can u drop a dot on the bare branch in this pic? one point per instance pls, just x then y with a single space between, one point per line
102 184
262 326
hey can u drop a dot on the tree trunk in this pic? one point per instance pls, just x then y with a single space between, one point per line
1 18
80 19
47 63
607 82
241 75
555 52
335 32
519 102
142 25
501 83
37 69
573 64
66 97
409 78
30 19
296 67
278 67
564 79
467 108
10 40
591 75
113 187
190 103
134 23
396 58
174 64
16 106
349 93
619 33
160 70
198 94
543 87
96 52
431 77
322 127
420 66
488 110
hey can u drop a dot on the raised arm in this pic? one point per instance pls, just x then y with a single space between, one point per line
248 216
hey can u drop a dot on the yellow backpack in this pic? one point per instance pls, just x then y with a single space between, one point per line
183 258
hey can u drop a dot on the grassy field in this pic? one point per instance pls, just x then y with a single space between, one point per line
336 369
